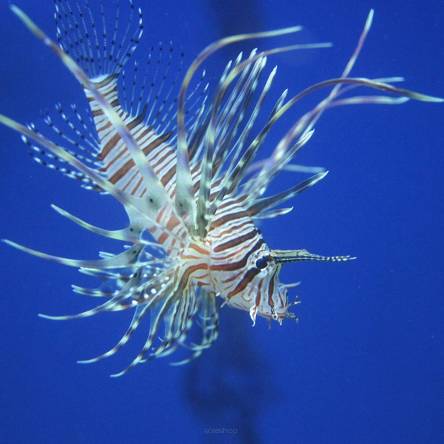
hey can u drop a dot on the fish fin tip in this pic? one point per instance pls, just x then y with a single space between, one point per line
85 361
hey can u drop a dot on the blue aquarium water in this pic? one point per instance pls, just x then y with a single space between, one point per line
365 362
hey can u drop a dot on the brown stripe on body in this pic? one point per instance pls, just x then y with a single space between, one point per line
227 218
145 131
121 172
109 146
258 296
139 119
112 142
248 277
172 223
129 163
155 143
236 241
104 94
227 202
199 249
192 269
240 264
160 215
233 229
270 292
234 253
162 159
130 182
167 177
162 238
114 160
116 137
115 103
106 81
107 125
138 184
97 113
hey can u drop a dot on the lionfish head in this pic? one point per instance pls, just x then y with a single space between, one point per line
256 287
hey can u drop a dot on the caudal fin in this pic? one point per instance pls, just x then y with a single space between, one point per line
101 40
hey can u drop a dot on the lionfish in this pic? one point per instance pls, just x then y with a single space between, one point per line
185 170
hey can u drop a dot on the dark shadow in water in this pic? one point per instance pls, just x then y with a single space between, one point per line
227 388
236 17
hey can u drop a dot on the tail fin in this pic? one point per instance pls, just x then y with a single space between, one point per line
101 37
100 42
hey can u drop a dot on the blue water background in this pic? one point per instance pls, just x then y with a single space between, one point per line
365 364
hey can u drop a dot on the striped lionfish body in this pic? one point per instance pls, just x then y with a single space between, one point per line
185 171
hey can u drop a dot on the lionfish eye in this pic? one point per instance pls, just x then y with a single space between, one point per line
262 262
